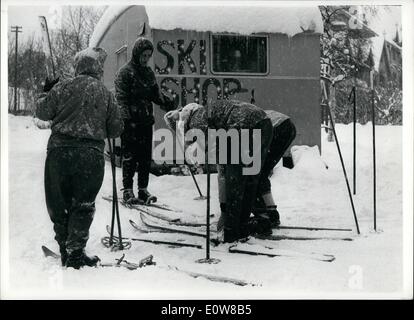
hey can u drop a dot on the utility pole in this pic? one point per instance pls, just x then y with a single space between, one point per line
16 30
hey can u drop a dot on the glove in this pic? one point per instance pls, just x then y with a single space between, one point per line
169 103
49 84
170 119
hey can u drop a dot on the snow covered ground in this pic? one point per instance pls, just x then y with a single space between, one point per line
309 194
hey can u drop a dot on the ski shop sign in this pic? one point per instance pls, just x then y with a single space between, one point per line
181 69
202 54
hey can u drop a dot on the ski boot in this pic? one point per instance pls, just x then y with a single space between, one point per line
230 236
78 259
145 197
271 212
273 215
259 226
129 197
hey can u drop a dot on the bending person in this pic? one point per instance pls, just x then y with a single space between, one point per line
239 188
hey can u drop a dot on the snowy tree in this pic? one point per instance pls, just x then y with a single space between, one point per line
30 70
346 49
345 43
77 25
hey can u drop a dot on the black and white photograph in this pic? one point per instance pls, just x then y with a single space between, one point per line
208 150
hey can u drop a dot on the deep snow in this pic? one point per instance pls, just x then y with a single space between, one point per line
309 195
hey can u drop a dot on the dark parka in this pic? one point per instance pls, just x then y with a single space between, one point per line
82 110
83 113
226 114
136 88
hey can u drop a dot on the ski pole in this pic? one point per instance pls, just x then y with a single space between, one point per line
111 155
208 214
115 198
344 170
113 192
46 38
201 197
207 258
373 150
118 220
208 192
353 94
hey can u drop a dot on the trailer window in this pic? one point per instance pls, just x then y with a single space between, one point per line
239 54
121 57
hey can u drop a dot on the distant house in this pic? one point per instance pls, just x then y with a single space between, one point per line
385 52
357 27
387 61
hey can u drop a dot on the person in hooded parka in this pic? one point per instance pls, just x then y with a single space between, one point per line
83 113
135 91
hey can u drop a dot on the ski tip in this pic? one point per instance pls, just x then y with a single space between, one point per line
46 250
49 253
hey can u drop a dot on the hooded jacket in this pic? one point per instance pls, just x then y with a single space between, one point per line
82 110
136 88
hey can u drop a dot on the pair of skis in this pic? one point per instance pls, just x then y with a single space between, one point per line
161 235
250 246
158 205
149 220
155 225
147 209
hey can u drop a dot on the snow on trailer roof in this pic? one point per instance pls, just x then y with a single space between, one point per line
233 19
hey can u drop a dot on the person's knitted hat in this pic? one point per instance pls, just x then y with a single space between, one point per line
184 115
90 62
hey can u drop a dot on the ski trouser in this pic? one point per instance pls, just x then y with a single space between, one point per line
283 135
136 144
73 177
238 190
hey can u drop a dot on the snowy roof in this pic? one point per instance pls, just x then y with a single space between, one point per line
243 20
235 19
111 14
377 46
385 24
